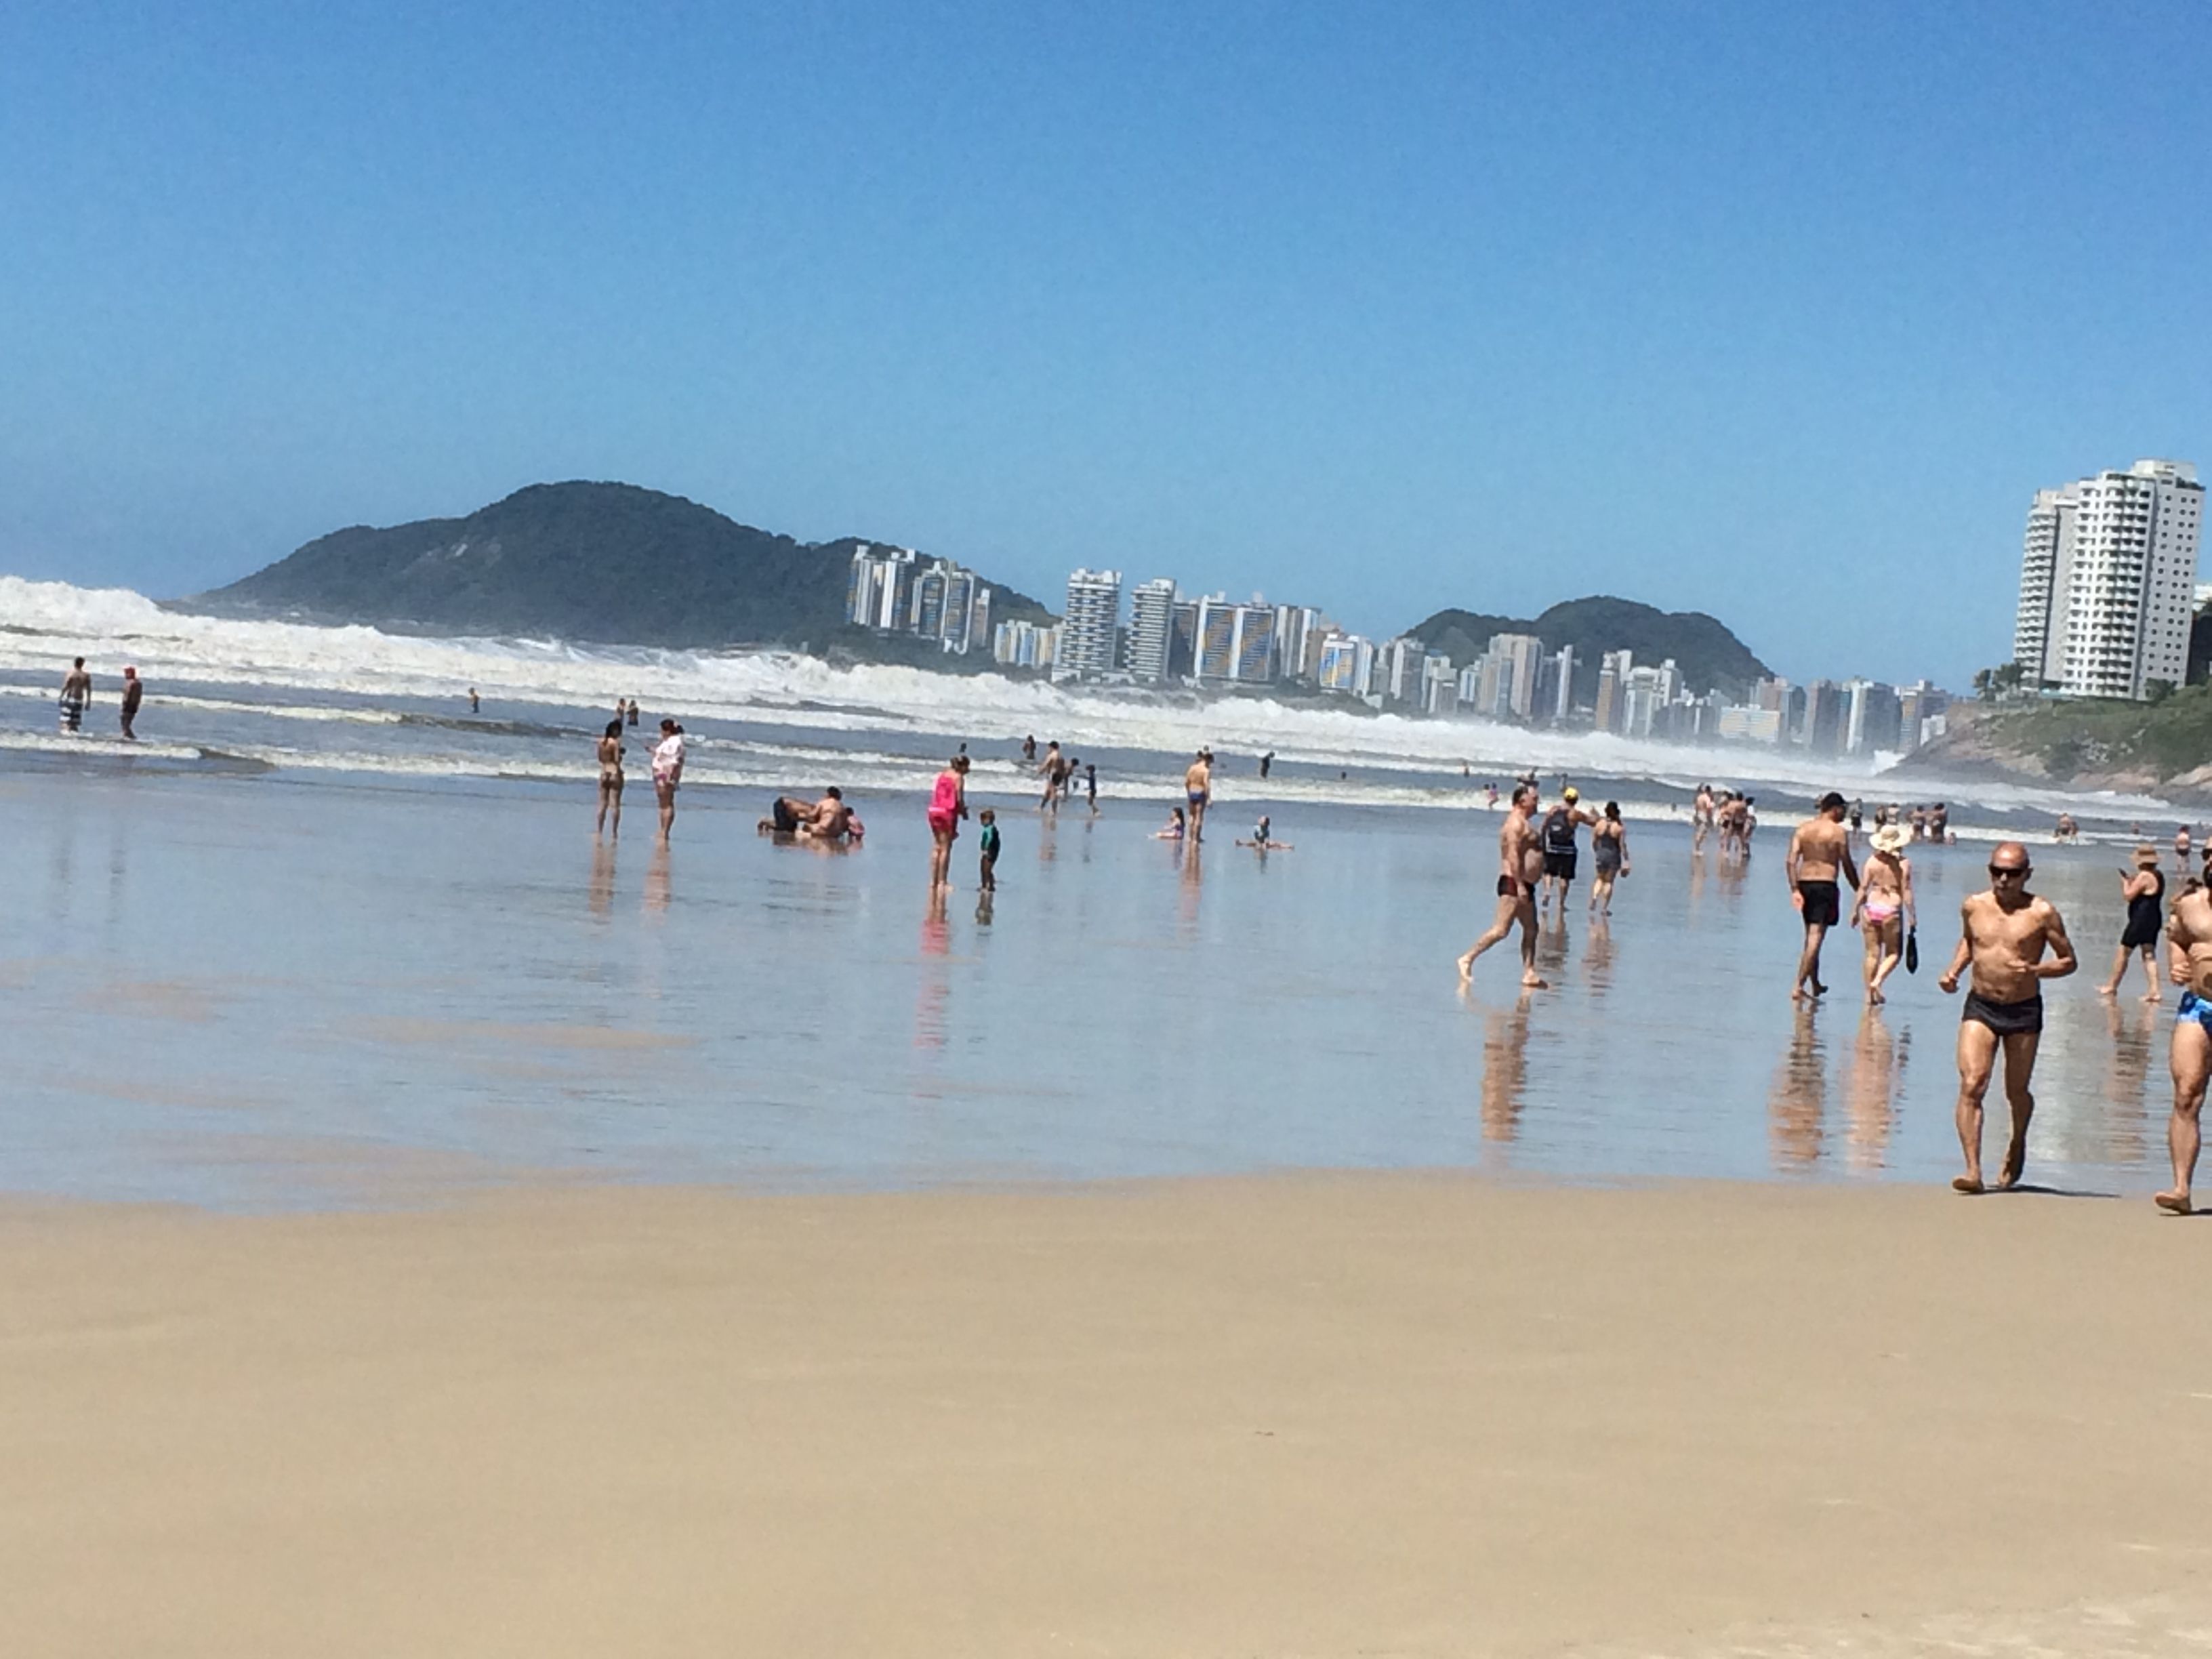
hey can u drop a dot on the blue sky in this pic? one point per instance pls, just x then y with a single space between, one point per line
1775 312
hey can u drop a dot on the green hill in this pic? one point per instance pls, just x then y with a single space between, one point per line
1702 648
609 562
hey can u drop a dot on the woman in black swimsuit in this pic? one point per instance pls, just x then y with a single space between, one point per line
2144 889
1609 855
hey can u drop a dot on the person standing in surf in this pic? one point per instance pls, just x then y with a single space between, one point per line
610 776
134 693
948 805
76 696
1198 790
668 773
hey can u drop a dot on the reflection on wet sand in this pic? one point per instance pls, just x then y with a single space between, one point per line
2134 1031
1504 1070
1873 1083
933 990
1799 1099
601 893
657 888
1597 956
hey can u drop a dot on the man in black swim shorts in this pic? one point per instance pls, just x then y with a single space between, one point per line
2004 933
1819 853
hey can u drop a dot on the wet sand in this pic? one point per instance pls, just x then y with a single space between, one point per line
1314 1415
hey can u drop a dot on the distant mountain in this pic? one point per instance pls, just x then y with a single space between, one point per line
1702 648
606 562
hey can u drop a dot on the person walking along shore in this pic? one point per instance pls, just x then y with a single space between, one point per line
1884 908
1521 865
1819 853
2004 934
2142 890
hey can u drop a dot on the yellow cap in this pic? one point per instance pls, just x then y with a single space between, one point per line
1573 793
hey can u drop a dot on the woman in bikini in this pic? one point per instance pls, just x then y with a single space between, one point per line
2144 888
1884 909
611 777
948 805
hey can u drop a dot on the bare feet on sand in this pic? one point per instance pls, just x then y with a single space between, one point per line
2015 1165
2174 1203
1530 982
1966 1183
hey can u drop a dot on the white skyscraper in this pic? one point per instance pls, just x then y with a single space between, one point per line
2108 579
1086 632
1151 627
2046 572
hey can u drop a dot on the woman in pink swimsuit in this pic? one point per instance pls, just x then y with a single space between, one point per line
1885 908
948 805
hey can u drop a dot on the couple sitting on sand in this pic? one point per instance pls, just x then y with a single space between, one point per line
827 819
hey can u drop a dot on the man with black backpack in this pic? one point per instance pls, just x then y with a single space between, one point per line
1557 838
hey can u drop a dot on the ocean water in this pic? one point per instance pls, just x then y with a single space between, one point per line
324 937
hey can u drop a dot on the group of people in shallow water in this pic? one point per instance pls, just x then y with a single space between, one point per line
2011 940
76 698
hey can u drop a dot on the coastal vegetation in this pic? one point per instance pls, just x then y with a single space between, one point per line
608 562
2080 738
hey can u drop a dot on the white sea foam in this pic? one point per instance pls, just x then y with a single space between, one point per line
44 623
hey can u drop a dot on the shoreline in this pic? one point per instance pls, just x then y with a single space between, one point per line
1319 1413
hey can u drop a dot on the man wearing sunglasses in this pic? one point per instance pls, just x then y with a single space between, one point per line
2004 934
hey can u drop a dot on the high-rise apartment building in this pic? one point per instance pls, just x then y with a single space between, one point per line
1151 627
1826 704
1401 669
1347 664
1613 671
893 590
1087 631
2107 581
1872 717
1182 640
1516 656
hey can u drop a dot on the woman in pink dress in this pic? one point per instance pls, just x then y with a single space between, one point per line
948 805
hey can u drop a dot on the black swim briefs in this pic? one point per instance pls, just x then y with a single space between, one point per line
1509 888
2006 1018
1561 864
1823 903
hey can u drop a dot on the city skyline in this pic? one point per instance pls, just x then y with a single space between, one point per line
1711 310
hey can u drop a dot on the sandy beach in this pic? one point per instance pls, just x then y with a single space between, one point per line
1302 1415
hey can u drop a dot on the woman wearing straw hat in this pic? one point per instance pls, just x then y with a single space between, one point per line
1884 909
2144 888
